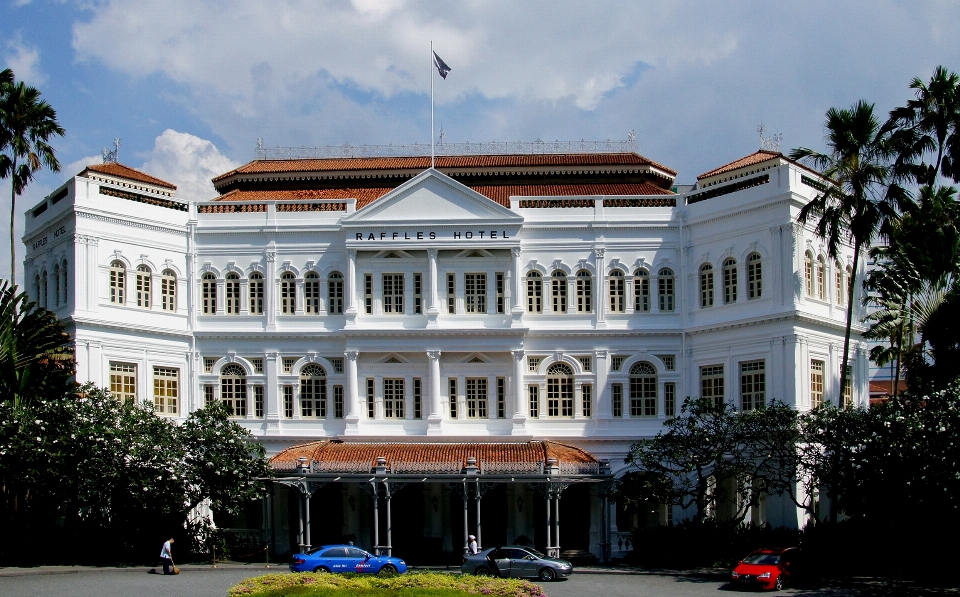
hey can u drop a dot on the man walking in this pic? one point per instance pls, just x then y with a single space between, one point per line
166 556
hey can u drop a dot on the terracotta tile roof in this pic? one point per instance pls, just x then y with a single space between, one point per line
754 158
442 162
121 171
884 387
499 193
401 456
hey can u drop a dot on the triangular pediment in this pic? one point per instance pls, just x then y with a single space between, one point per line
433 197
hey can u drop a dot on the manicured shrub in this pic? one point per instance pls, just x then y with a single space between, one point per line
427 584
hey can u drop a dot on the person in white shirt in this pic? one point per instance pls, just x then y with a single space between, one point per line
166 556
472 545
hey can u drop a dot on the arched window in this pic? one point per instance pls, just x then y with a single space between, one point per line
143 286
730 283
168 290
313 392
618 302
838 273
288 293
36 288
559 390
584 291
56 284
255 288
754 277
643 390
641 291
44 289
558 284
706 285
231 291
233 389
534 292
63 283
118 281
311 293
665 289
808 272
821 277
209 286
335 293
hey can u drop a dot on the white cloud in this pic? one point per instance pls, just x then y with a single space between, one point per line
25 61
188 162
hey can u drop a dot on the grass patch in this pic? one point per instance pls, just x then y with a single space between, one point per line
426 584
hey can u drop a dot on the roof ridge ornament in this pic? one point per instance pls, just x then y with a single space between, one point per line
111 156
769 143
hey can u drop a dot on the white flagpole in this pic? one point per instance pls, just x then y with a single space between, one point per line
432 150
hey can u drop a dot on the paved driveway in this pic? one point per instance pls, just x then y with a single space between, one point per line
208 582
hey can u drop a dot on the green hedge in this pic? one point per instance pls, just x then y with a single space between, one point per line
426 584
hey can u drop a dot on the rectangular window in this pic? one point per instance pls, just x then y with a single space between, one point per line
393 398
533 363
501 398
231 294
586 363
669 361
257 363
288 294
313 397
711 384
501 294
393 293
476 391
586 396
754 277
143 288
368 292
643 395
451 293
311 294
418 294
337 363
288 402
371 399
616 363
335 294
288 363
168 293
475 293
558 292
816 384
255 288
166 389
452 386
665 292
560 396
618 303
417 398
533 393
209 285
208 364
258 401
584 292
848 387
670 399
753 385
123 381
208 395
534 293
338 402
616 392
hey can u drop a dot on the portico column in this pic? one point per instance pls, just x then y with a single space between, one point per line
351 397
549 500
350 293
306 500
270 290
556 526
376 519
516 302
519 413
601 289
432 299
479 527
389 521
436 407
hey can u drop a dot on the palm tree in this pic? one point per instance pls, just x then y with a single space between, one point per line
861 201
26 125
36 359
929 126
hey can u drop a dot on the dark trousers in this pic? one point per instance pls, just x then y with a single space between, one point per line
167 565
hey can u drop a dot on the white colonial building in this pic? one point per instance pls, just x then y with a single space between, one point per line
496 326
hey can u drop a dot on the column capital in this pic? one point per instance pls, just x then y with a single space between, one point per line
516 252
600 354
432 253
351 354
599 252
517 354
271 256
433 355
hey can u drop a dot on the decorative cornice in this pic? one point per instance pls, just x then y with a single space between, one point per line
132 224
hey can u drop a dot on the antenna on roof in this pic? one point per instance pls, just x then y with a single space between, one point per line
440 139
769 143
111 156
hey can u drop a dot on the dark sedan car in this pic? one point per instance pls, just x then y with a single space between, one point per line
516 562
345 558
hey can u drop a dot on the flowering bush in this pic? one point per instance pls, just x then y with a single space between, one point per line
431 583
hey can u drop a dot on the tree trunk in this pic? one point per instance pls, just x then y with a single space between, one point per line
846 334
13 213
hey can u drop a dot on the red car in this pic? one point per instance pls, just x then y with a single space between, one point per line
767 569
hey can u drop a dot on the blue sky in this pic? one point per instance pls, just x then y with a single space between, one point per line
189 85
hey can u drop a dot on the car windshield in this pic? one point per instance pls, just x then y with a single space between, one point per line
535 552
762 558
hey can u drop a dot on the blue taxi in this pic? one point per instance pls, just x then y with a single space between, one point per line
346 558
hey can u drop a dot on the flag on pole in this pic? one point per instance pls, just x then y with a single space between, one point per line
442 67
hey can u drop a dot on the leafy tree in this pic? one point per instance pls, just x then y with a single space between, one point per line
716 458
862 200
36 358
27 124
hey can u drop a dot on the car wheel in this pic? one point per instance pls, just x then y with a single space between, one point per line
387 570
547 574
321 569
481 571
779 583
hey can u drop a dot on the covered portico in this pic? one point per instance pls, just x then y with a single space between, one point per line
363 480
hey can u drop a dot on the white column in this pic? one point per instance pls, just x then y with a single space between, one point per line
602 399
270 290
516 303
436 407
519 413
601 287
432 299
350 395
350 292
